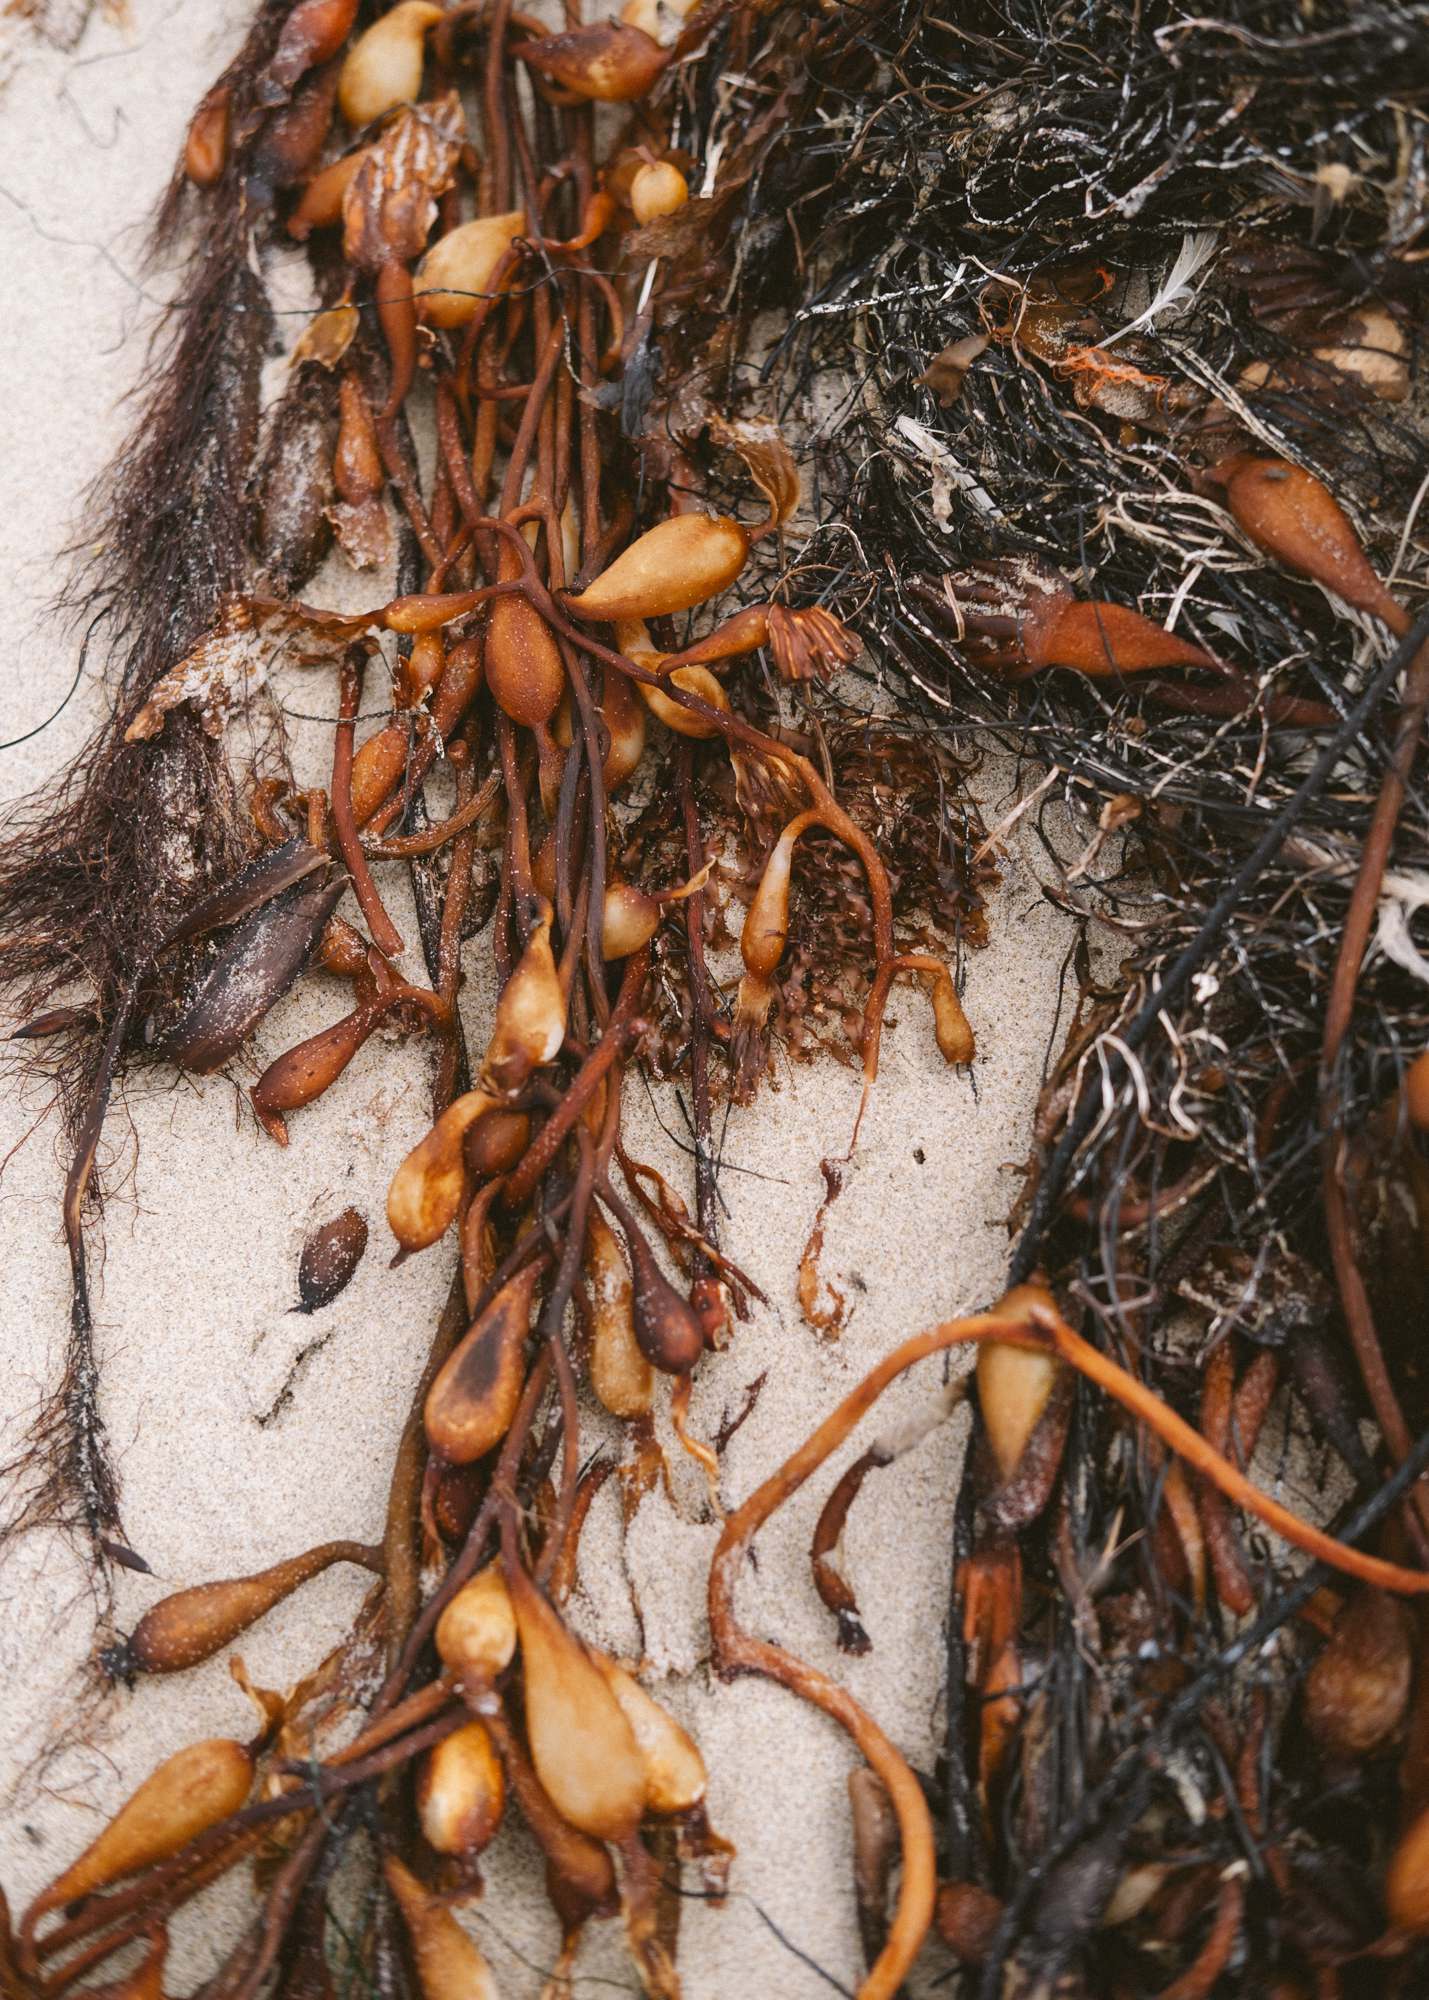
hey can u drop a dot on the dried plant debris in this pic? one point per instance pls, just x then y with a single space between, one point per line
1106 327
1054 381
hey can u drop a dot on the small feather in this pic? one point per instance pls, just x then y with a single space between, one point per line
1178 287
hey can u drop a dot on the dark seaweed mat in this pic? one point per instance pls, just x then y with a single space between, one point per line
883 168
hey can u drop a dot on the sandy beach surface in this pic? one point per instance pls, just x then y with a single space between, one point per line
244 1433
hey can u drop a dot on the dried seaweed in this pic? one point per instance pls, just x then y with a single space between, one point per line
1034 278
1063 316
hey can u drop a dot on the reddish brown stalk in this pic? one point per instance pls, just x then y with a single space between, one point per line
466 1563
704 1024
418 1708
563 1521
830 813
960 1049
1339 1011
403 1595
736 1651
1233 1585
1159 1417
406 846
454 908
1197 1981
1238 697
399 472
563 1571
207 1856
218 1849
832 1585
385 934
1034 1326
696 1447
154 1893
455 693
612 1047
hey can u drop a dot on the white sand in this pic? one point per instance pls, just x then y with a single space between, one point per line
201 1240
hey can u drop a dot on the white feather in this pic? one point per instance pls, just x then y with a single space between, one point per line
1178 287
1401 895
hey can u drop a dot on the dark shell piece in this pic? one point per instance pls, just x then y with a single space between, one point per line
252 972
330 1257
56 1021
118 1552
249 889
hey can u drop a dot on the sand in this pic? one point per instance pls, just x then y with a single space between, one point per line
203 1230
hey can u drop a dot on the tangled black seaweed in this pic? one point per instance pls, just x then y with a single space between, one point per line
1040 274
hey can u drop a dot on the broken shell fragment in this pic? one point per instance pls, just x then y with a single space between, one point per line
1372 347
